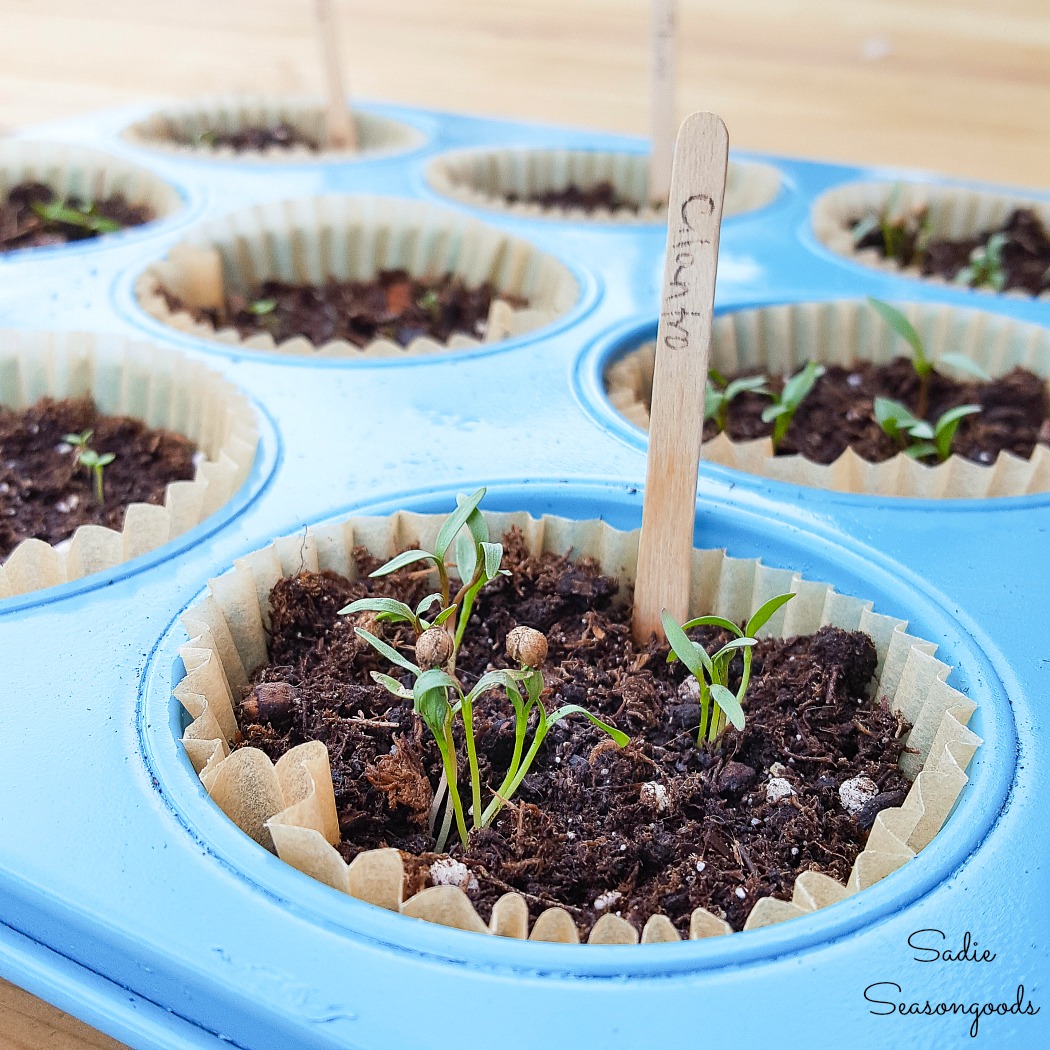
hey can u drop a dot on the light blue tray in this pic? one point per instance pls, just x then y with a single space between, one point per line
129 900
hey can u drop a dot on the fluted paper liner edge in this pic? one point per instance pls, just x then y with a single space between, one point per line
308 239
955 213
485 179
228 642
169 129
72 169
162 388
780 339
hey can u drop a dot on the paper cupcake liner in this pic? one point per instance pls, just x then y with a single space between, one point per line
307 240
176 130
85 172
953 213
485 178
780 339
161 388
290 808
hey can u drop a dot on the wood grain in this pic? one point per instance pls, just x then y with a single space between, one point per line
338 119
662 124
683 344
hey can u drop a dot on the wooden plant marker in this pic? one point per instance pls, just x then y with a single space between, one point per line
342 134
683 341
661 116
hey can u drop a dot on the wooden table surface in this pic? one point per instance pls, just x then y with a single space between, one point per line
955 86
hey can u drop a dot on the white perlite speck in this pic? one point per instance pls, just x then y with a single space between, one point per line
740 892
654 795
449 872
606 900
856 793
689 690
778 789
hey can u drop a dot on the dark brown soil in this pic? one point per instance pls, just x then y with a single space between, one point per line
590 198
588 820
1025 251
393 305
256 139
839 413
21 225
46 495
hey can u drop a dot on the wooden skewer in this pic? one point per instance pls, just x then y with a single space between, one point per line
683 341
342 133
661 118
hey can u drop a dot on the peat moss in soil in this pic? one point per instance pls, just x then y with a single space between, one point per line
392 305
661 826
46 495
839 413
1025 249
601 195
23 226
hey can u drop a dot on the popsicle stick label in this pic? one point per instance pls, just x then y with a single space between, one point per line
661 115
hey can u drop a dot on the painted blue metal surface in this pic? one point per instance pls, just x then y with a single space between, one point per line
128 899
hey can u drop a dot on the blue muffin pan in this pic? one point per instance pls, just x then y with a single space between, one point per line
128 899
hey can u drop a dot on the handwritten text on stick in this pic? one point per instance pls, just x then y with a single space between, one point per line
686 238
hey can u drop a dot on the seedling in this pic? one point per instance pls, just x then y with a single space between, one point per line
786 403
437 694
920 360
86 217
986 265
916 437
895 229
717 702
718 398
261 307
90 460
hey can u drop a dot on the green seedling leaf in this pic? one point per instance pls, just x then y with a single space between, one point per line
435 678
921 449
945 428
682 646
961 363
78 440
574 709
493 558
427 602
731 647
801 383
906 330
713 621
392 685
455 521
445 614
466 557
394 609
386 650
498 679
400 561
713 400
729 704
765 612
433 707
84 219
262 306
898 421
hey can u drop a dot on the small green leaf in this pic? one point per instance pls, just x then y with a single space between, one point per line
574 709
493 557
713 621
800 384
455 521
713 400
946 427
105 459
427 602
747 385
731 647
502 678
681 645
466 557
392 685
400 561
765 612
962 363
921 450
435 678
388 651
433 707
729 704
262 306
906 330
775 411
396 609
444 615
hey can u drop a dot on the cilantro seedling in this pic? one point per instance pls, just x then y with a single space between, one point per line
917 437
986 265
785 404
438 695
261 307
431 302
86 217
90 460
712 672
896 229
920 360
718 398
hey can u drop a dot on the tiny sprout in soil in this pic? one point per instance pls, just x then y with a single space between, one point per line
904 235
986 265
916 437
718 397
712 672
437 694
90 460
86 217
920 359
785 404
